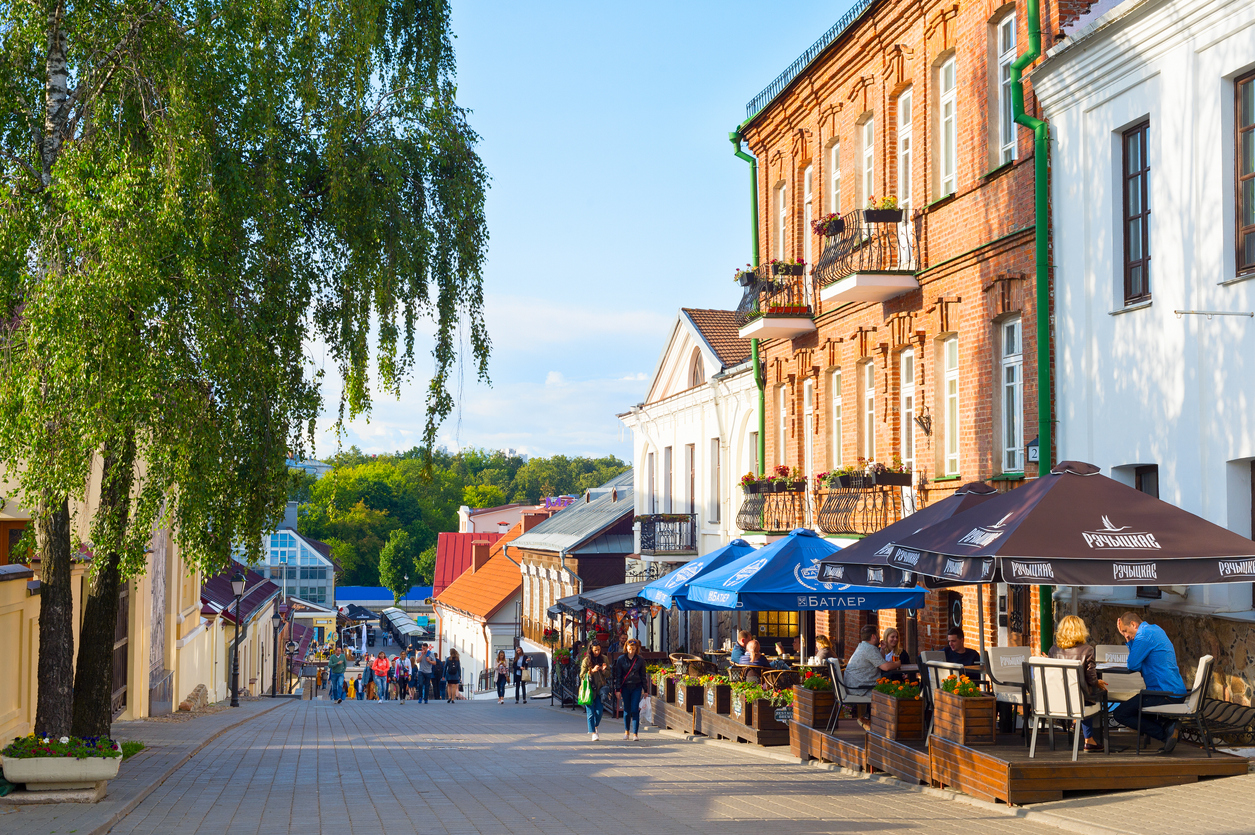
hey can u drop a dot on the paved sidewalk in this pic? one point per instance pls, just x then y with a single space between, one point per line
168 745
480 767
1224 806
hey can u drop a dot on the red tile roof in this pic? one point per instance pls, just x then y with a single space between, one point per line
453 556
258 591
485 591
718 328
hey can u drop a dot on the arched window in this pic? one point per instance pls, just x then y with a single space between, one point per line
697 372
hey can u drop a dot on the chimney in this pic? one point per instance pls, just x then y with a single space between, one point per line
531 520
503 527
479 554
289 515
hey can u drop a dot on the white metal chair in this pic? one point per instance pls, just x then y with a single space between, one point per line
1191 708
1004 671
930 655
844 695
1111 654
1055 692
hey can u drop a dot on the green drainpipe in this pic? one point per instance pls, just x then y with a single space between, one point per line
735 136
1041 151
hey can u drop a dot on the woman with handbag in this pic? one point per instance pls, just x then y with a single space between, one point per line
522 673
629 679
596 668
452 675
503 676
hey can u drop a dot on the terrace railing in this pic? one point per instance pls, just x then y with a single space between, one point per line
863 507
668 533
774 512
869 248
777 294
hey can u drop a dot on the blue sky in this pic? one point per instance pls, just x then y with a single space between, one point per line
615 201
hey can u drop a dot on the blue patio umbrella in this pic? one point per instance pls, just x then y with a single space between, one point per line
672 589
784 576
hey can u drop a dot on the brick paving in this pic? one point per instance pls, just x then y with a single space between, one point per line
1210 807
483 768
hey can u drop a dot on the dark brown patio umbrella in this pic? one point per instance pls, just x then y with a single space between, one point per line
1077 527
866 562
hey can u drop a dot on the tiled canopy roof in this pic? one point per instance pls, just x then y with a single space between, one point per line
718 328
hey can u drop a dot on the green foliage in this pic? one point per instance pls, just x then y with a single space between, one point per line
398 566
426 566
80 748
130 748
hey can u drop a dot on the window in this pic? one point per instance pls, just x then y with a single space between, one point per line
834 162
869 160
781 417
754 466
904 152
1244 120
950 389
808 428
782 218
651 495
869 411
777 625
1146 480
1136 214
1012 395
697 369
666 480
906 406
1006 115
835 388
690 463
715 499
808 237
948 133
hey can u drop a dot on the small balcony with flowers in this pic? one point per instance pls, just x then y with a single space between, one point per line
863 498
868 256
778 301
775 503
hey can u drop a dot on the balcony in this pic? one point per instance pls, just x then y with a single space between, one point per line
869 262
773 512
863 507
776 305
668 535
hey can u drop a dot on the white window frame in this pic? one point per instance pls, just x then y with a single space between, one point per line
808 428
867 131
716 489
668 479
1006 46
652 492
868 416
906 407
834 160
904 151
950 413
781 440
1011 393
948 127
782 218
834 384
808 237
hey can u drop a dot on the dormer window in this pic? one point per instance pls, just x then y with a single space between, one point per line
697 371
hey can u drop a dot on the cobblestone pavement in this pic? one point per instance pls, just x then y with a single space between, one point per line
480 767
1209 807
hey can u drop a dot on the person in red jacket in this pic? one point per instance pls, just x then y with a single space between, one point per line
382 668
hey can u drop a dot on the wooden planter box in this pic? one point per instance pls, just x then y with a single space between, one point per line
669 690
689 696
812 707
967 721
719 699
741 710
765 717
897 719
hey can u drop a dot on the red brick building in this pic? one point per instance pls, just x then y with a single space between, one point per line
912 340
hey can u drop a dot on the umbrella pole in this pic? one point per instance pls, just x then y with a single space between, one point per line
1076 602
980 615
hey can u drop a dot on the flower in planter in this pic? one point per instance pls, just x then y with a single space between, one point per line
822 225
816 681
897 466
961 686
81 748
885 203
748 479
897 689
781 470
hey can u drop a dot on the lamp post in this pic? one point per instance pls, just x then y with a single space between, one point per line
237 588
291 649
276 621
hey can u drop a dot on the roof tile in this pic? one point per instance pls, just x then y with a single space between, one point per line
453 556
485 591
718 328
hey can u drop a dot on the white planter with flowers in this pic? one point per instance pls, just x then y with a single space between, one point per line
50 765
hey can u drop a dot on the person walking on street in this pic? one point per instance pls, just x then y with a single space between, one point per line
596 665
452 674
629 678
437 675
402 673
424 672
503 676
336 666
520 665
381 667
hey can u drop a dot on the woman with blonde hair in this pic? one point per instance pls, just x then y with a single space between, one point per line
1072 642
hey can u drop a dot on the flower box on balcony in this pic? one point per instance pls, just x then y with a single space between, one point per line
894 479
838 482
796 486
779 486
897 719
789 269
882 215
745 279
753 488
834 227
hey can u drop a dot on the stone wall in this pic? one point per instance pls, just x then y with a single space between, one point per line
1193 635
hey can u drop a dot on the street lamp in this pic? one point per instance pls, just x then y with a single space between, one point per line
237 588
291 647
276 621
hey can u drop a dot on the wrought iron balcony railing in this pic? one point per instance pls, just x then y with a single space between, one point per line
777 294
862 508
865 247
774 512
668 534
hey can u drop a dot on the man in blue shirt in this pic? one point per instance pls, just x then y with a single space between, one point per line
738 649
1152 655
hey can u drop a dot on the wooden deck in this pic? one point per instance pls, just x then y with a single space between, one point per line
907 761
672 716
1005 772
847 748
717 726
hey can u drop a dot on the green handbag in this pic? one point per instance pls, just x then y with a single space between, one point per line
586 691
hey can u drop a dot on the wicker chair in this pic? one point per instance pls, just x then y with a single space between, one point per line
687 665
747 672
781 679
736 672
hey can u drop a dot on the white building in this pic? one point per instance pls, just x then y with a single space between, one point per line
1149 102
300 565
693 438
491 519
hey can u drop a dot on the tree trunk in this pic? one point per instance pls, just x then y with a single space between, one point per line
56 619
93 679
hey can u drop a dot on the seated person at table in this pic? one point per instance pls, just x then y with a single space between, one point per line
738 649
867 665
1072 643
1152 655
823 650
754 657
891 648
956 652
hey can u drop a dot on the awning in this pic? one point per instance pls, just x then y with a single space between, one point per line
1077 527
355 612
600 600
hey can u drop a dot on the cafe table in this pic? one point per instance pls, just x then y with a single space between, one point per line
1122 685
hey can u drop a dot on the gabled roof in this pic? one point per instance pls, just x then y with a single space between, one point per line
216 594
483 592
453 556
583 521
718 328
301 605
477 511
